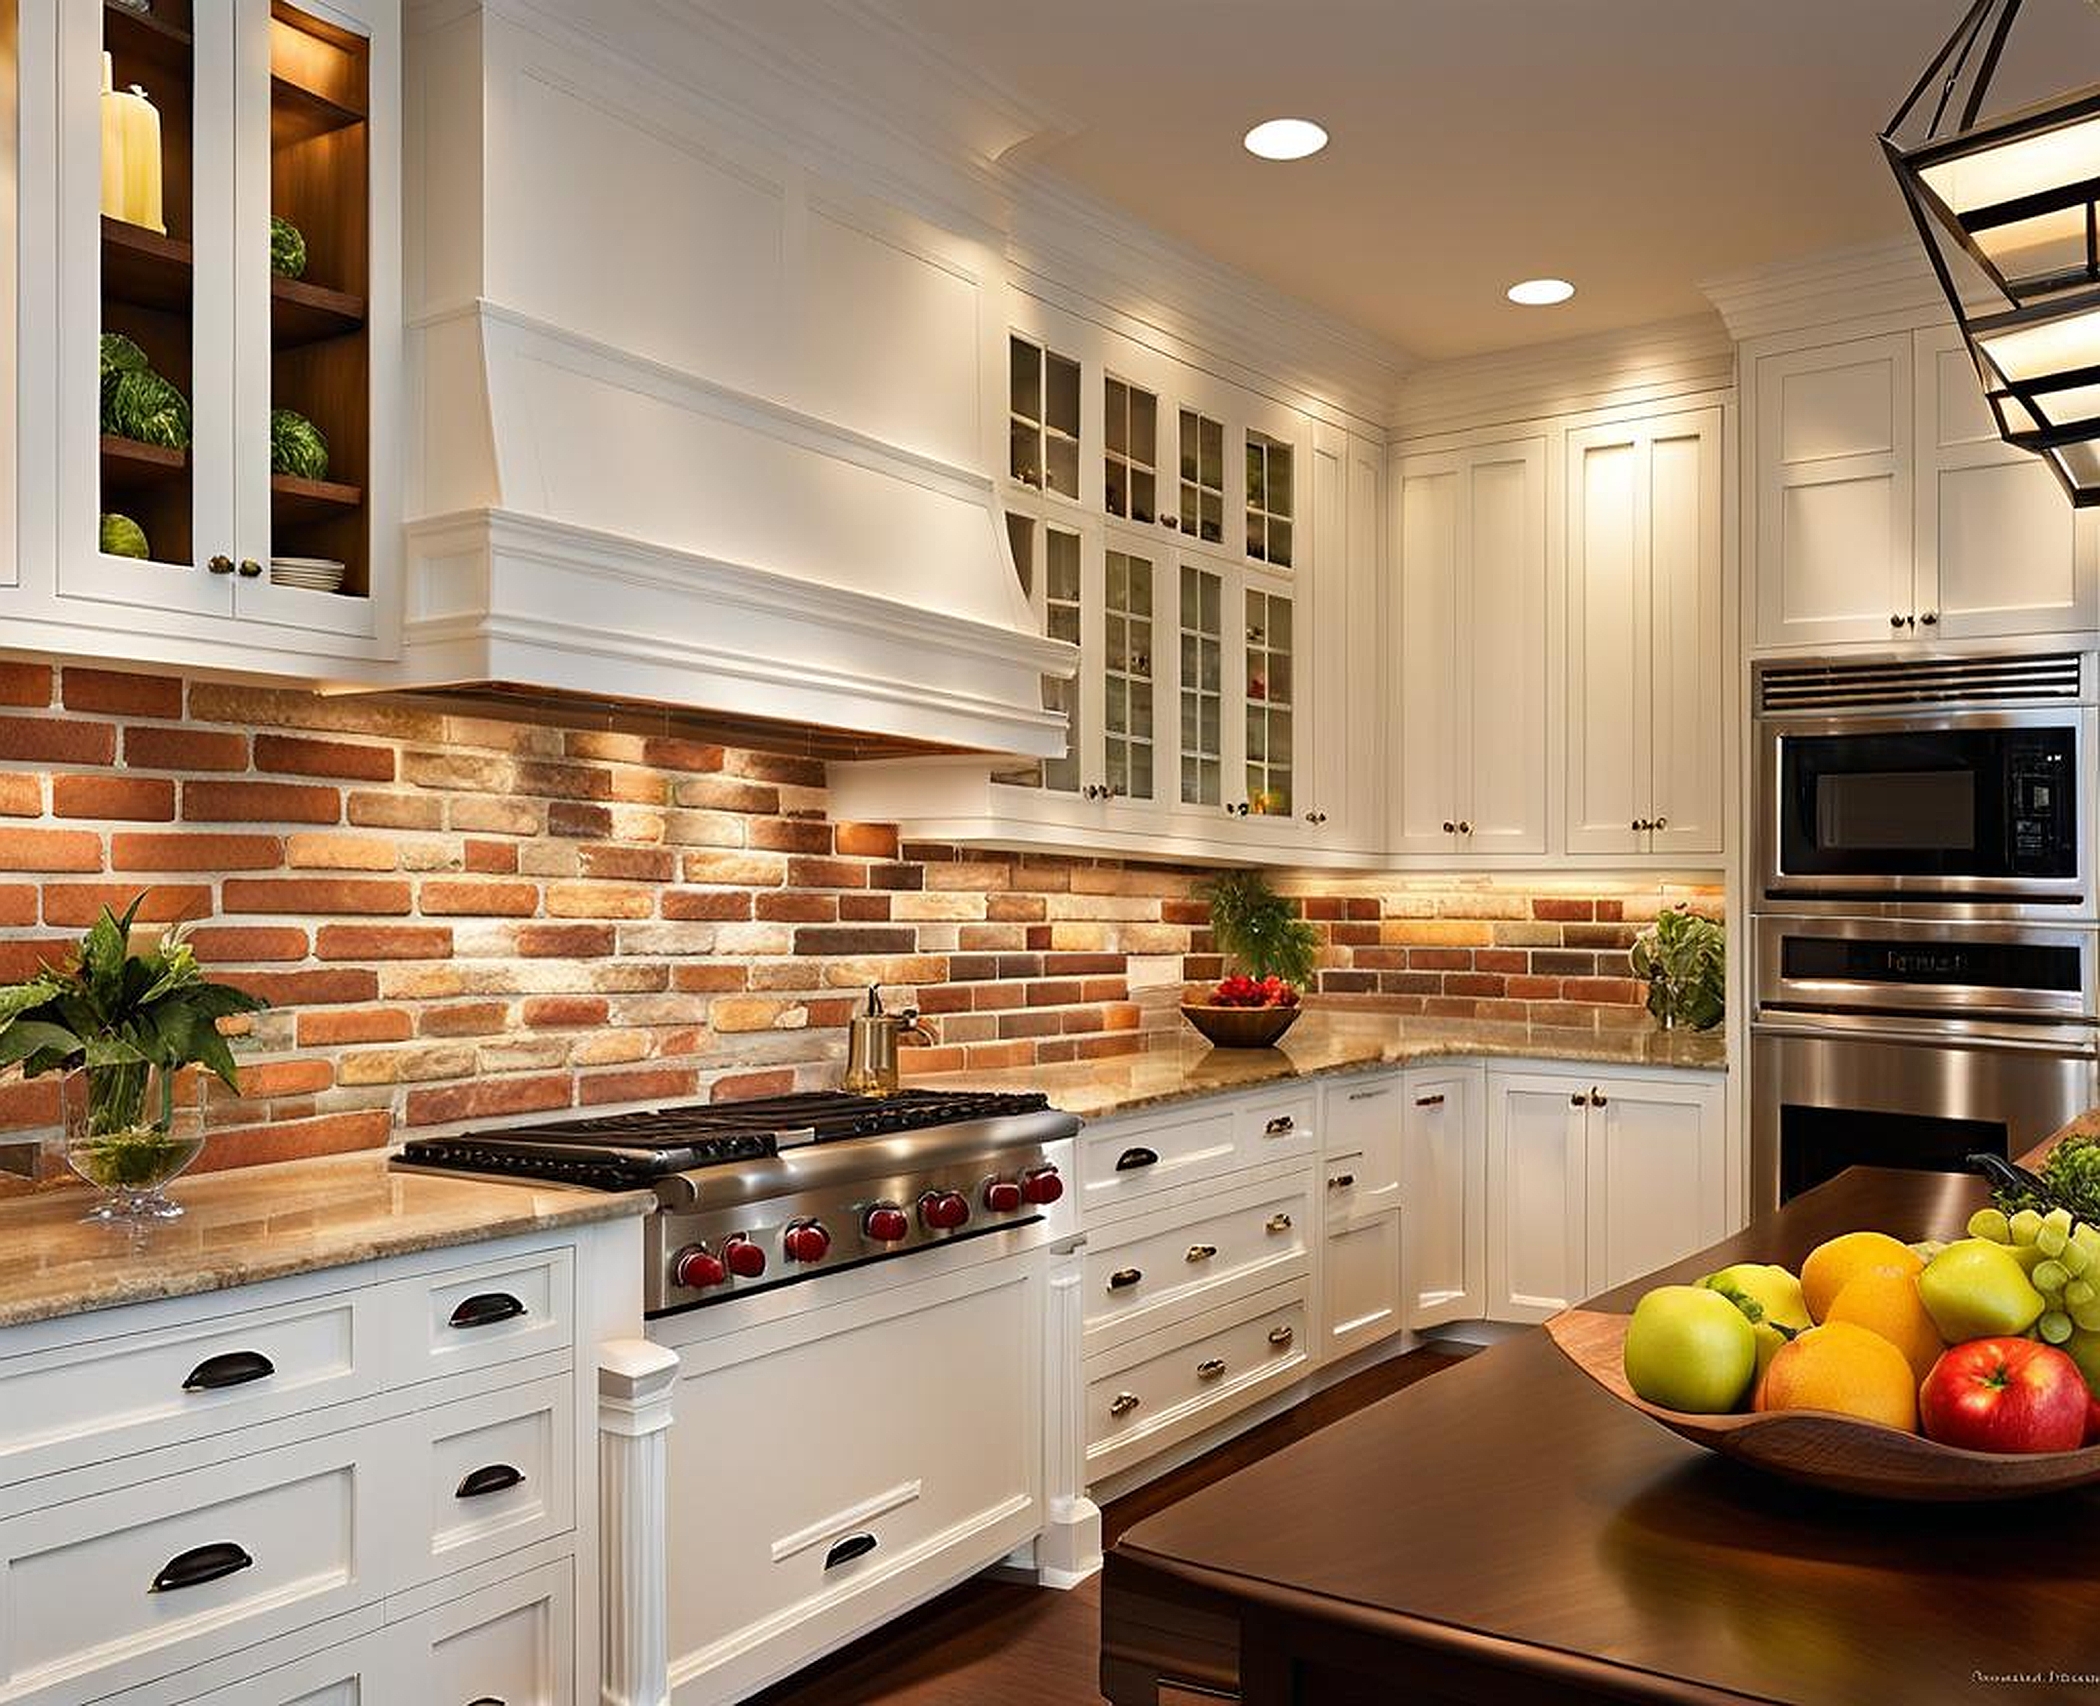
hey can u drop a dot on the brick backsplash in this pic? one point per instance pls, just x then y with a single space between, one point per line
457 918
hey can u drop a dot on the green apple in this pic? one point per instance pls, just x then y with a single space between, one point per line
1975 1289
1690 1349
1774 1290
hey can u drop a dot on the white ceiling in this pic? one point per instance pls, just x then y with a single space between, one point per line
1633 146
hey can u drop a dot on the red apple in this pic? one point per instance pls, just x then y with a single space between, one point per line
2092 1419
2005 1395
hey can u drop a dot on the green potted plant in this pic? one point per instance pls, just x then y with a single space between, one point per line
120 1026
1683 958
1275 950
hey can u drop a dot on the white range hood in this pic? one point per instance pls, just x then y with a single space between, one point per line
692 429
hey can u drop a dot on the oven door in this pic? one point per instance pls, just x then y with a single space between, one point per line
1969 808
1936 977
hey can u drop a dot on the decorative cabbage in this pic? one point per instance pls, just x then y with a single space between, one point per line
143 406
287 248
296 446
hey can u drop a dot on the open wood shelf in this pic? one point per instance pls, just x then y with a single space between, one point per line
128 465
297 114
146 36
143 267
293 500
303 313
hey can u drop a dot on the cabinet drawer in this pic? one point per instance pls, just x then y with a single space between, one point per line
497 1473
1275 1127
1119 1162
1172 1384
109 1591
103 1398
495 1312
511 1644
1169 1262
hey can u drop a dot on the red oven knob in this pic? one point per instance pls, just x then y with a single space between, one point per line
885 1223
805 1241
1002 1196
1041 1185
746 1260
698 1267
943 1211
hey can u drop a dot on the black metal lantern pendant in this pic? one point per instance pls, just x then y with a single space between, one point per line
2018 195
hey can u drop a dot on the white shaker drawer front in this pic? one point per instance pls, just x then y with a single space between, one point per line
1169 1262
1117 1163
494 1312
509 1645
89 1402
1275 1127
1169 1386
105 1592
498 1472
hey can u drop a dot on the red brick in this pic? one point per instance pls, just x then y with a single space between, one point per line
797 906
629 864
297 756
1563 911
492 858
57 740
140 798
18 903
1611 911
369 897
1475 983
124 694
578 821
914 1060
565 1012
860 939
865 840
296 1140
1501 959
565 941
776 767
148 852
261 1079
82 903
638 1084
21 957
260 802
394 811
50 850
25 684
1534 988
825 1014
667 752
1062 993
740 1086
826 874
384 942
1433 959
185 749
701 977
484 1097
464 1019
1104 989
687 905
28 1103
790 835
329 988
354 1025
1605 991
1184 912
20 795
250 944
479 900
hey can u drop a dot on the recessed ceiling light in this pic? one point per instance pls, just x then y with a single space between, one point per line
1286 138
1540 292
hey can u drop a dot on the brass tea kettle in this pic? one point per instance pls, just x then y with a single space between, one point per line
871 1046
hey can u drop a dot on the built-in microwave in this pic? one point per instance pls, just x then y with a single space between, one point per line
1954 784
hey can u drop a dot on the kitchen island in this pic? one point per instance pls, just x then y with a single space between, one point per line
1508 1532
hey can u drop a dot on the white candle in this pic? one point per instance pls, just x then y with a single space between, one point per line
142 166
112 144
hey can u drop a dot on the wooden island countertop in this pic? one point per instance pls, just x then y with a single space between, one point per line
1506 1532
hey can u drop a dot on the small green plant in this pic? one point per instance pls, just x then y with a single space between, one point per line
1683 958
1259 928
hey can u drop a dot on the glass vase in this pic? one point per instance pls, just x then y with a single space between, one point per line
126 1136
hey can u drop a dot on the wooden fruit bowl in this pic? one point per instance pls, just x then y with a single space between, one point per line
1240 1027
1821 1449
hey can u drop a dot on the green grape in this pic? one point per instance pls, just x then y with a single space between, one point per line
2054 1326
2024 1226
2055 1231
2050 1279
2087 1315
2075 1258
2079 1291
1990 1223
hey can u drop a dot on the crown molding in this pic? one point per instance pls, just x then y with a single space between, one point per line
1868 282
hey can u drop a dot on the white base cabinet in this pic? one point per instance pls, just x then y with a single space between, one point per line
1443 1185
1360 1228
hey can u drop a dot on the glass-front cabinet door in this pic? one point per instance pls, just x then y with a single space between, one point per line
1042 404
1201 622
1270 658
1127 683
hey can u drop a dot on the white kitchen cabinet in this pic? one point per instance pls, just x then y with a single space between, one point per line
264 109
1471 651
1361 1227
1645 672
1594 1180
1443 1193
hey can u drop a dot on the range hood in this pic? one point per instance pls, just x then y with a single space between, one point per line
691 433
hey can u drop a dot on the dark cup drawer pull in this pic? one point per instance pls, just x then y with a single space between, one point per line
852 1547
200 1564
1132 1159
1341 1181
229 1368
1123 1278
1201 1252
1436 1101
1210 1369
489 1478
488 1700
1281 1336
486 1308
1281 1126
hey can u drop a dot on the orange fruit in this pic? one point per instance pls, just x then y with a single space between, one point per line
1845 1257
1844 1368
1888 1303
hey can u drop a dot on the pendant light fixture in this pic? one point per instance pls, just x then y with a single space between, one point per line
2013 200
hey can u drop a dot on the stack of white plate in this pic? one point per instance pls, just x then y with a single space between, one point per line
311 574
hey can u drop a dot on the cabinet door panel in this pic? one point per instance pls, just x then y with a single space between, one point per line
1656 1191
1502 628
1430 493
1686 674
1536 1189
1360 1284
1609 641
1443 1194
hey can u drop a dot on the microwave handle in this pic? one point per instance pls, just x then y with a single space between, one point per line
2086 1047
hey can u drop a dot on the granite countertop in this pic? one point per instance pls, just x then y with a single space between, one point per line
262 1223
1324 1042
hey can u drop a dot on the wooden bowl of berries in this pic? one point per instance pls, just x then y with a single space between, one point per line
1245 1012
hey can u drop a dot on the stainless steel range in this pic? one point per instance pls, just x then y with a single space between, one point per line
761 1194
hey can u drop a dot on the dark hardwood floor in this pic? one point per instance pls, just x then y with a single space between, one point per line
993 1643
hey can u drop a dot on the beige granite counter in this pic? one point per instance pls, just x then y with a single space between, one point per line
261 1223
1324 1042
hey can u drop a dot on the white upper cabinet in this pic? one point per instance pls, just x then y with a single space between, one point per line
1471 651
1887 509
1645 672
